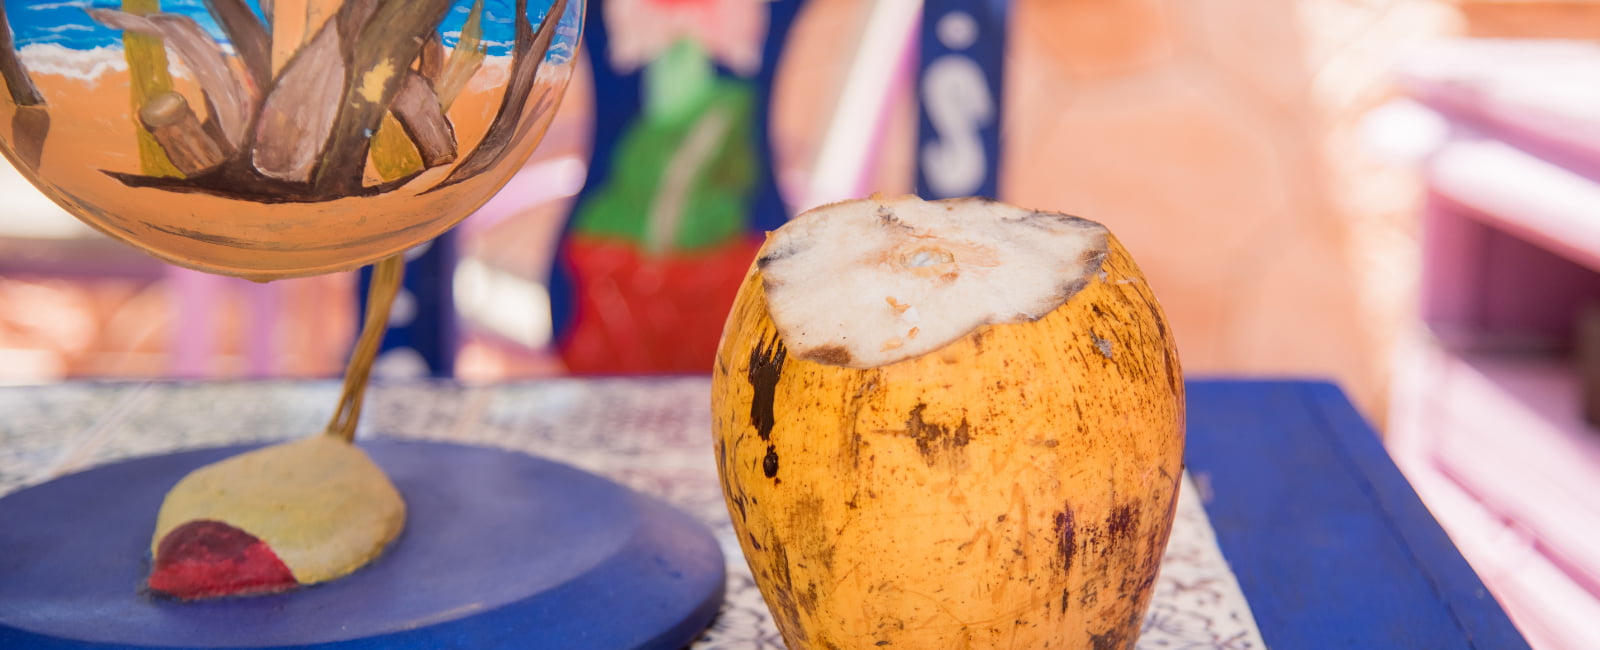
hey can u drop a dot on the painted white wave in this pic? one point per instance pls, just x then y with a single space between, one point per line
170 6
452 37
69 27
89 65
47 6
86 65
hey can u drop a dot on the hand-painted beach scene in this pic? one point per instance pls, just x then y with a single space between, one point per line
278 138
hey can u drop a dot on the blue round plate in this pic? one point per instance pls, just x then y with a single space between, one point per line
500 550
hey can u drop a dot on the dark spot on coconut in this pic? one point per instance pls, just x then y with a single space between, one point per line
1110 640
1155 316
786 610
773 255
731 489
1055 220
753 543
833 355
812 532
1093 258
1066 544
1091 594
1103 345
1122 636
1167 359
1147 582
1124 522
1172 374
933 439
769 463
887 216
1097 538
722 462
1070 289
766 366
808 599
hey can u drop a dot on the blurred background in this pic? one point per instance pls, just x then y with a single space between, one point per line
1400 196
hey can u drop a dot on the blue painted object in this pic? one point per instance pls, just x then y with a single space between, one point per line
1329 542
960 85
500 550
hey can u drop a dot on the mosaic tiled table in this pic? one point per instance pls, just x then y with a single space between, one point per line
1293 527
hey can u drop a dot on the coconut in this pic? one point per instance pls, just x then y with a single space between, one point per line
949 424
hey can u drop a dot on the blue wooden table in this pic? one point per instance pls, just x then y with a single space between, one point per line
1329 542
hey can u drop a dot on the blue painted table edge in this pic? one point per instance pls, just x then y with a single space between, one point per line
1330 543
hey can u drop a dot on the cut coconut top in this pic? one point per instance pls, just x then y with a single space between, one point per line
870 282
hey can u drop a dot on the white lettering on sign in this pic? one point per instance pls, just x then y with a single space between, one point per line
959 106
957 30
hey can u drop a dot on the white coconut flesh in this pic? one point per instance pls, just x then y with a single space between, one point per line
870 282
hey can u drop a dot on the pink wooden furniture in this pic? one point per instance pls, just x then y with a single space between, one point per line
1487 420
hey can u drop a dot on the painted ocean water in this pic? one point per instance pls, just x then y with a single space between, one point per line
65 24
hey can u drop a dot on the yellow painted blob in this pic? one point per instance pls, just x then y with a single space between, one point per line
320 503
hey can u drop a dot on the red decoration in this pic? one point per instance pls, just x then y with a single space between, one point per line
206 559
642 313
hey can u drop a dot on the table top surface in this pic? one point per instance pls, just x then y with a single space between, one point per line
1328 542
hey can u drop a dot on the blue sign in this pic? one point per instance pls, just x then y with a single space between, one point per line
959 86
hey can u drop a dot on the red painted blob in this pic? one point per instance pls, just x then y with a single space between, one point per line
210 559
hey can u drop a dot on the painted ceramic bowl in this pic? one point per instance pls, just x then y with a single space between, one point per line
270 139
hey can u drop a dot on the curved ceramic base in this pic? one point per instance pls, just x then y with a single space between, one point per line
500 550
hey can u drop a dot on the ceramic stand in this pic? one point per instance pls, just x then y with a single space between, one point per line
500 550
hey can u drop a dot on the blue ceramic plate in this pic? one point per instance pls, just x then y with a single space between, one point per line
500 550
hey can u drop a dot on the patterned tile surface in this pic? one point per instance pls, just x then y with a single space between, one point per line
648 434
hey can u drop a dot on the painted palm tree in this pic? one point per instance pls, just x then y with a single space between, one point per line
374 70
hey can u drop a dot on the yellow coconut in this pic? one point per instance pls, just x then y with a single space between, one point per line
949 424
